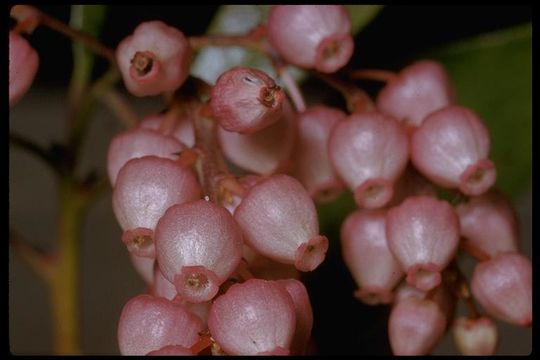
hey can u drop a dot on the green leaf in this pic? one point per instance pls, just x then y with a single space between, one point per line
89 19
239 19
332 214
362 15
492 74
212 61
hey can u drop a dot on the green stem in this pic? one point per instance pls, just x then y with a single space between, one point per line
65 283
37 151
98 89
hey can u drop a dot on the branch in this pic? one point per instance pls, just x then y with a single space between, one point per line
114 100
372 74
357 99
36 150
42 263
252 40
20 12
460 286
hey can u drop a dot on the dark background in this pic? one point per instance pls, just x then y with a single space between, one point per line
397 36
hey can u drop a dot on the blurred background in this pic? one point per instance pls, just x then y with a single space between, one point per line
397 36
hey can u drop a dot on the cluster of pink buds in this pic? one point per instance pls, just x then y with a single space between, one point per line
223 253
401 248
216 196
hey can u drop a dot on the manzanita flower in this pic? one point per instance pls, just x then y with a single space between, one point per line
182 129
171 350
161 286
23 65
415 326
312 36
145 188
136 143
279 220
477 336
451 148
265 151
304 314
154 59
256 317
150 323
423 235
246 100
416 91
489 223
503 286
144 267
367 256
198 245
312 162
442 296
370 152
231 203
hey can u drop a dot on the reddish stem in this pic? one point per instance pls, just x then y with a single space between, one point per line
20 11
373 74
458 282
473 250
210 165
204 342
357 99
247 41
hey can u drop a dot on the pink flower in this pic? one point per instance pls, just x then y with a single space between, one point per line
23 65
154 59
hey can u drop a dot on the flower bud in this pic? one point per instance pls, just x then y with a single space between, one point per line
451 148
246 100
254 317
489 223
201 310
171 350
423 235
312 36
265 151
415 326
162 287
149 323
368 258
304 315
313 166
246 182
442 296
418 90
183 129
503 286
370 152
144 189
475 336
144 267
198 245
154 59
136 143
23 66
279 220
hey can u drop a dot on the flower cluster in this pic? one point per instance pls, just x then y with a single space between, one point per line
216 197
